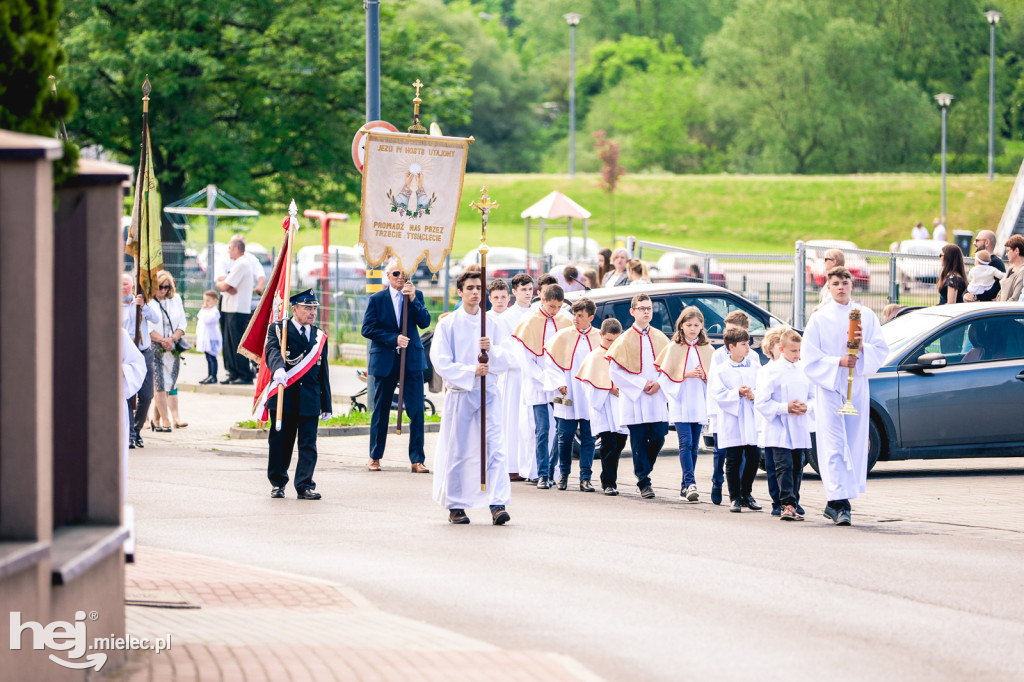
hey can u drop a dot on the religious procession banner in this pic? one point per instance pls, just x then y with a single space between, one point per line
412 188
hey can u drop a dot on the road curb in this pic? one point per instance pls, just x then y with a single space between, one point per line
239 433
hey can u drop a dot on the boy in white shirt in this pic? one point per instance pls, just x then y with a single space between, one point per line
731 384
565 353
737 319
645 408
783 397
602 398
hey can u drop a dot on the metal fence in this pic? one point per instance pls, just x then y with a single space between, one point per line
789 286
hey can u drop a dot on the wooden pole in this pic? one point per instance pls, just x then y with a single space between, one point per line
484 205
292 212
143 203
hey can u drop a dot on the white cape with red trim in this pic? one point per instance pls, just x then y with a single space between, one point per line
293 375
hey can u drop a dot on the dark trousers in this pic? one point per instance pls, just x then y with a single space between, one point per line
281 445
740 470
611 447
566 434
542 426
789 472
236 364
211 364
383 394
144 398
646 441
773 480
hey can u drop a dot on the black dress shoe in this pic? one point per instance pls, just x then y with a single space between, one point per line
585 486
736 506
543 482
277 493
751 504
131 443
138 442
457 516
563 482
309 494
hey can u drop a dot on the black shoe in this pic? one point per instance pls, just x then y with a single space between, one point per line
585 486
716 495
499 516
844 518
457 516
611 491
832 513
277 493
244 382
776 509
736 506
563 482
230 380
309 494
530 481
646 492
751 504
543 482
137 442
799 510
131 443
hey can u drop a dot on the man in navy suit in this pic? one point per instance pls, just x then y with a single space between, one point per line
302 370
382 325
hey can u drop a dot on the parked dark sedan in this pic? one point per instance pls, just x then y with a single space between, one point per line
670 299
952 386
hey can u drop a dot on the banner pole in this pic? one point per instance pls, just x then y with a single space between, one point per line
292 212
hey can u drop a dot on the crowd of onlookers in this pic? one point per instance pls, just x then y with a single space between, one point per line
157 328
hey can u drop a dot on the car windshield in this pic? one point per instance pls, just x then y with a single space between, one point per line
900 332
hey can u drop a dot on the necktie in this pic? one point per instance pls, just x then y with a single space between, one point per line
302 331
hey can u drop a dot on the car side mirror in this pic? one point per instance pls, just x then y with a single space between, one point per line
927 361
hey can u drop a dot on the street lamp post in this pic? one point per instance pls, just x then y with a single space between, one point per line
944 99
573 20
993 18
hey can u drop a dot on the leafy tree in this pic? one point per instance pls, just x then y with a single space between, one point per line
794 89
504 120
29 54
261 97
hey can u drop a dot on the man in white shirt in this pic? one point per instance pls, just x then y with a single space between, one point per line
236 308
939 231
130 306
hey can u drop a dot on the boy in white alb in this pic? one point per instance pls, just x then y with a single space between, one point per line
454 354
783 397
645 409
732 385
533 333
519 431
565 353
602 397
737 319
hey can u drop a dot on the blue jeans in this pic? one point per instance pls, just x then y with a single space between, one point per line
689 435
646 441
541 415
718 474
566 433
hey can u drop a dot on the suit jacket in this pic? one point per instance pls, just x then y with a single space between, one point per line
382 328
311 394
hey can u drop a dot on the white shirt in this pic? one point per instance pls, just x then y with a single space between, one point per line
687 399
717 358
939 234
637 407
128 323
396 302
919 232
240 278
303 329
557 377
737 418
175 318
778 383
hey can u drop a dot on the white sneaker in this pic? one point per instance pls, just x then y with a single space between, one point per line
691 494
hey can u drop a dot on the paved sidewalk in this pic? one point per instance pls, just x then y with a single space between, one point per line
262 625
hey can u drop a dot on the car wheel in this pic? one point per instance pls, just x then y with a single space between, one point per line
874 443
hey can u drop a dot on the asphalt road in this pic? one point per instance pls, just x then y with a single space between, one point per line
636 589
